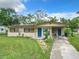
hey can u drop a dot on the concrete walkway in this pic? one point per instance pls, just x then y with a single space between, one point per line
62 49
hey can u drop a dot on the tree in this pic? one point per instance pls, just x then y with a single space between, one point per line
6 15
29 18
21 19
40 16
15 20
53 19
63 20
70 23
73 24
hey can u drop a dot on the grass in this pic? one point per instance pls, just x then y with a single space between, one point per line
49 43
21 48
75 41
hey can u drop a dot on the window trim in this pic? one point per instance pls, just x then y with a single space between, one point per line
14 30
28 30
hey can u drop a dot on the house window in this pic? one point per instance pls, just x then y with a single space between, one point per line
13 29
28 29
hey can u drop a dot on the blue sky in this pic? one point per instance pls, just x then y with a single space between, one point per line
52 6
59 8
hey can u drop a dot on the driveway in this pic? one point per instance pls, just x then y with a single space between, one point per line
62 49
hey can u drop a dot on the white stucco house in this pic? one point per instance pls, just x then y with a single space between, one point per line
36 31
3 29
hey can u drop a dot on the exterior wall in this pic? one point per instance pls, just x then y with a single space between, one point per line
13 33
51 34
35 33
22 33
49 29
30 35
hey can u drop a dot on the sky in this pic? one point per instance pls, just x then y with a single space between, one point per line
58 8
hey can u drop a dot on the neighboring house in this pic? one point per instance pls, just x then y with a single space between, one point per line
76 30
36 31
3 29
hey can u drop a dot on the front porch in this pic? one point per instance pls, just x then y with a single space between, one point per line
53 32
57 32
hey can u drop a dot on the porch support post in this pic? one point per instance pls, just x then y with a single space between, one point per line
51 32
62 31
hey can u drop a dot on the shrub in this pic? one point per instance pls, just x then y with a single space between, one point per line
67 31
74 41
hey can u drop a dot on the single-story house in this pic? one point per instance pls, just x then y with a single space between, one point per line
36 31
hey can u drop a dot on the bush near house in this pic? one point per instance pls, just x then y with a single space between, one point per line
21 48
49 43
75 41
67 32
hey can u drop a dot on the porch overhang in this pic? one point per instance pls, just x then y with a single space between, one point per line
52 25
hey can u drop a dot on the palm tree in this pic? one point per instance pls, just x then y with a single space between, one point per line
63 20
40 16
29 18
53 19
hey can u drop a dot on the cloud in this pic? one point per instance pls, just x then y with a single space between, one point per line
15 4
67 15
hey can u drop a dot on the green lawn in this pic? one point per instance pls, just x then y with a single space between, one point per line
21 48
75 41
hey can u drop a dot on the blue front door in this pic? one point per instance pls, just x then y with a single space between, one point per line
39 32
59 31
